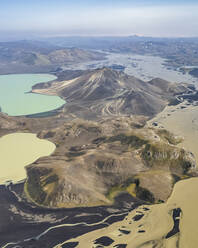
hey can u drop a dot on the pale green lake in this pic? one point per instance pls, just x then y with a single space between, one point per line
18 150
15 101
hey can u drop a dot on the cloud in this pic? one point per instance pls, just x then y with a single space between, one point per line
178 20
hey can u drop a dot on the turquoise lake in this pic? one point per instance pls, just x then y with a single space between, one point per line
15 101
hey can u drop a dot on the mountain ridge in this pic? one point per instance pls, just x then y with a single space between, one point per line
105 91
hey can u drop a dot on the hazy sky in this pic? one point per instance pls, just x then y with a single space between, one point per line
101 17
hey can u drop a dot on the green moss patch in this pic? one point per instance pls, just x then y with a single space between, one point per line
38 178
131 140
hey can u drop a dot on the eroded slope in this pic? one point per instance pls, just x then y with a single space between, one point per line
94 162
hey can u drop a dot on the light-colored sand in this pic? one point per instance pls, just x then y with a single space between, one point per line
157 222
182 122
18 150
185 196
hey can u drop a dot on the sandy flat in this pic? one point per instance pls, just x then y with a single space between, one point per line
156 222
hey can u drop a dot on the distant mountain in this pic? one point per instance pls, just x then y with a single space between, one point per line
178 52
108 92
109 42
36 56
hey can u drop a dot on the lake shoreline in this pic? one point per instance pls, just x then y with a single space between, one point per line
18 103
50 113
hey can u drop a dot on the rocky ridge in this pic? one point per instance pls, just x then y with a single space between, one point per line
106 92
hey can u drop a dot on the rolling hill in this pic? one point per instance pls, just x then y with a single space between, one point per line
34 56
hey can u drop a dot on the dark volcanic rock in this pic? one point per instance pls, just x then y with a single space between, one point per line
105 241
70 245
